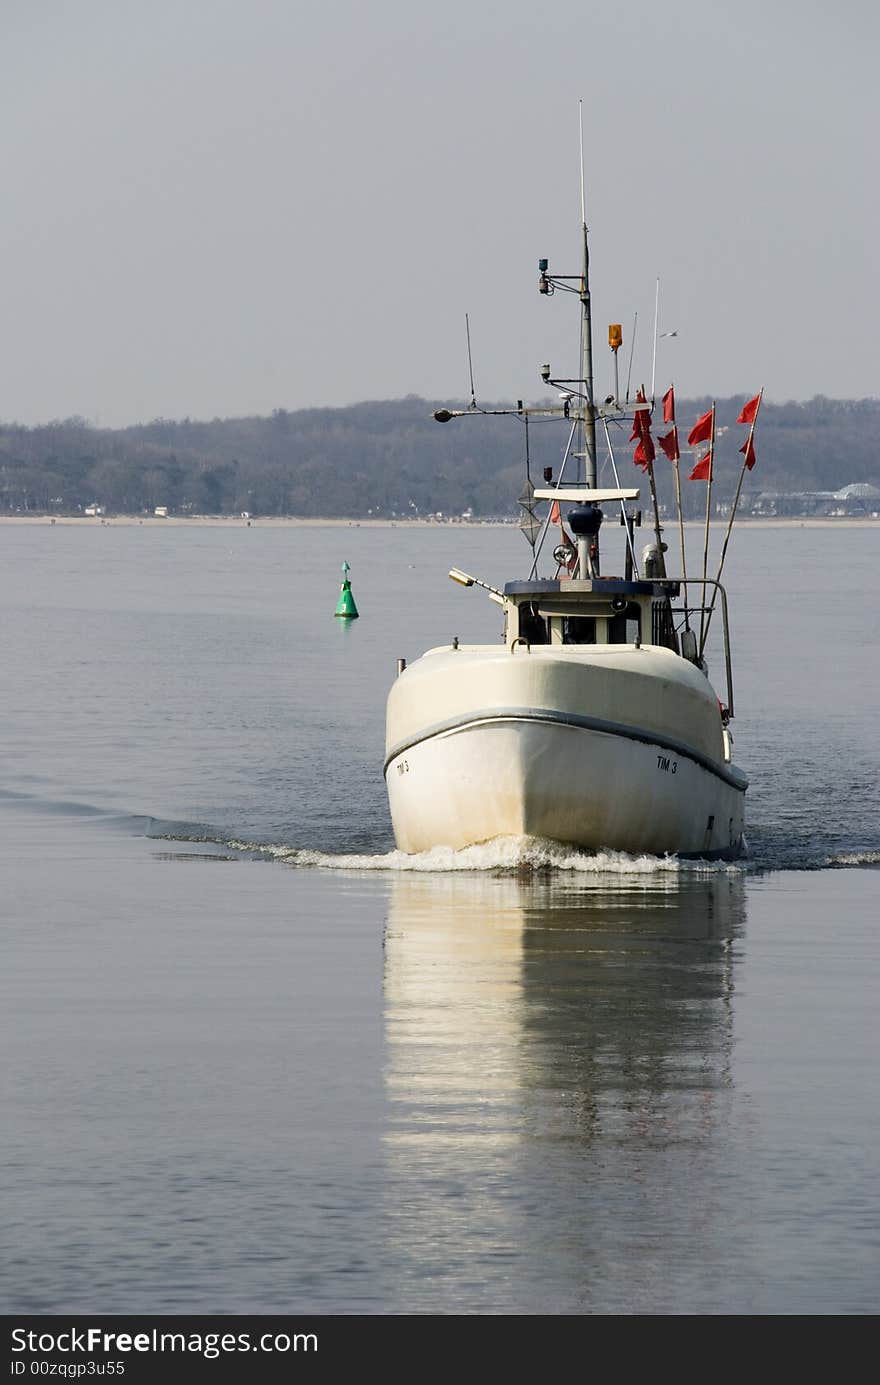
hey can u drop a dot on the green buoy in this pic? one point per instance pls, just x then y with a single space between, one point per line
345 606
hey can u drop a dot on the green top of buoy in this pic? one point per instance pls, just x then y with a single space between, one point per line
345 606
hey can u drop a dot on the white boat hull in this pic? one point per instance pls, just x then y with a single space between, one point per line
565 774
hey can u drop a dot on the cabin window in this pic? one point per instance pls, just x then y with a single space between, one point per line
578 630
532 627
625 627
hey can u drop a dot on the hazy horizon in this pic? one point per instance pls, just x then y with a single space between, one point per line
458 399
219 209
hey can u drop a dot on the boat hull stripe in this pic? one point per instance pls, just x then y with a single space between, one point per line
731 776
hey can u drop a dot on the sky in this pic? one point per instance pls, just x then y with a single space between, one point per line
215 208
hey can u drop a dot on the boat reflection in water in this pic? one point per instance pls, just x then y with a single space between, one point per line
561 1125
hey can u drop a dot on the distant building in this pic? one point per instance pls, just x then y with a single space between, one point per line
860 492
94 510
161 512
858 498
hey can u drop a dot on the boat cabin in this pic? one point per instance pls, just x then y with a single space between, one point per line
600 610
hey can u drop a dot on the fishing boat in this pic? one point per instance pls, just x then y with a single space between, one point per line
593 721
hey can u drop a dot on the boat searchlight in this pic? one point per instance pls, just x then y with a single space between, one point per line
458 576
464 579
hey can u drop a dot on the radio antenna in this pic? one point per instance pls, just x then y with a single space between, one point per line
467 328
583 192
632 347
654 356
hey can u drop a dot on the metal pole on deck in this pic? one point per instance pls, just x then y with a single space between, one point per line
706 538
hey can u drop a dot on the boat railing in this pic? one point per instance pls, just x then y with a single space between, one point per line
703 610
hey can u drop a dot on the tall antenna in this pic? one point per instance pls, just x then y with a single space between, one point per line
583 191
632 347
467 328
589 413
654 356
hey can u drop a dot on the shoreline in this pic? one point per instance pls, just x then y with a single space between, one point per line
295 521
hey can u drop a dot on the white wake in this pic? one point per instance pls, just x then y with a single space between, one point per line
503 854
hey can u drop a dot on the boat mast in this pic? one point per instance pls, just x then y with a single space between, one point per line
589 412
587 366
582 413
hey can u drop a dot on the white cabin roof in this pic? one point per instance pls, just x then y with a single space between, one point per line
582 495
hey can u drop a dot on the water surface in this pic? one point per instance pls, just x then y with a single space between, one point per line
257 1061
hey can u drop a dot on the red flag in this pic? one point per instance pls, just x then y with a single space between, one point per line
702 429
555 516
749 411
669 406
748 448
703 470
669 443
644 453
641 422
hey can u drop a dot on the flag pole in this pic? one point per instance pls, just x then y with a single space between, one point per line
650 470
681 528
675 458
660 558
654 356
706 538
742 476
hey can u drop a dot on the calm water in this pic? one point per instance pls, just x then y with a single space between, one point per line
255 1061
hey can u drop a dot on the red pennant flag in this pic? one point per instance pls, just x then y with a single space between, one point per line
555 516
748 448
669 406
641 421
703 470
644 453
669 443
748 412
702 429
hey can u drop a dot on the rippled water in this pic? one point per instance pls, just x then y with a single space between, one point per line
257 1060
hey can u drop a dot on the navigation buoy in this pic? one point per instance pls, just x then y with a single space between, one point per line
345 606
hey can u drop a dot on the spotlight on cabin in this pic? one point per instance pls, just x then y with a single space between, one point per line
442 415
461 577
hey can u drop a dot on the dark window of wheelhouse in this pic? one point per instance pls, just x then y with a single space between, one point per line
532 627
625 627
578 630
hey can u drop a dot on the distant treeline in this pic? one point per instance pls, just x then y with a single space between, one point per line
390 458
